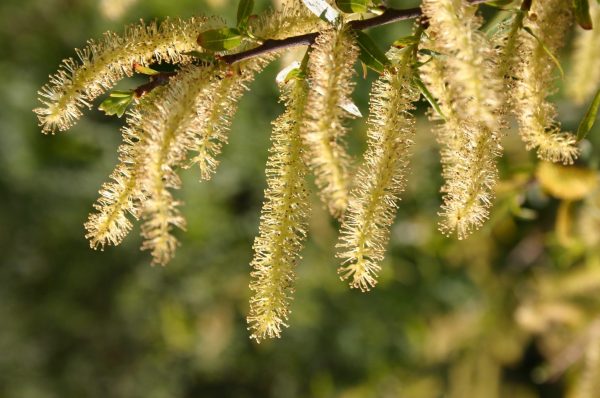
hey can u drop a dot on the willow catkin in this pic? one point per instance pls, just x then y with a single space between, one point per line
467 87
283 221
373 202
207 142
470 59
104 62
584 79
172 126
122 196
330 69
533 74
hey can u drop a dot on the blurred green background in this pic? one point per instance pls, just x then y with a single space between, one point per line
489 317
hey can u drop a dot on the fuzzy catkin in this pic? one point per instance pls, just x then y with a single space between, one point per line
467 87
330 69
373 201
470 59
208 141
173 126
584 79
121 196
533 74
283 221
104 62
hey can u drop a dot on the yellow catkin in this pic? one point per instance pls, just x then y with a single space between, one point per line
207 143
467 87
122 196
172 126
104 62
293 18
584 79
373 202
534 76
283 221
470 59
330 69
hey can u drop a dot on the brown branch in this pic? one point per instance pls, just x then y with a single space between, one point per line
390 15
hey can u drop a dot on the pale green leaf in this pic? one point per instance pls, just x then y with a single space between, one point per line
353 6
117 102
370 54
589 119
220 39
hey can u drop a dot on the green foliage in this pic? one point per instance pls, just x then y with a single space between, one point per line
220 39
586 124
370 54
117 102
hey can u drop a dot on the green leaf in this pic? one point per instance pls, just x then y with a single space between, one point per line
589 119
405 41
145 70
323 10
117 102
582 13
370 54
547 50
243 13
428 96
220 39
353 6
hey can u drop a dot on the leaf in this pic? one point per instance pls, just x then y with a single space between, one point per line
405 41
351 108
323 10
352 6
144 70
589 119
428 96
220 39
117 102
566 182
582 13
547 50
291 71
243 13
370 54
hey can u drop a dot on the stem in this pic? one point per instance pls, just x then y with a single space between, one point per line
390 15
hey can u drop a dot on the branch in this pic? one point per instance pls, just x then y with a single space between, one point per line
390 15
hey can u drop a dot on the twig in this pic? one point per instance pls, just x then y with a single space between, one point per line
390 15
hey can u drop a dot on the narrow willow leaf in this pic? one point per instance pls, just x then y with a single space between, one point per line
406 41
589 119
370 54
144 70
547 50
323 10
428 96
117 103
289 72
243 13
582 13
220 39
352 6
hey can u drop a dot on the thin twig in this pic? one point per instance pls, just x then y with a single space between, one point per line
390 15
